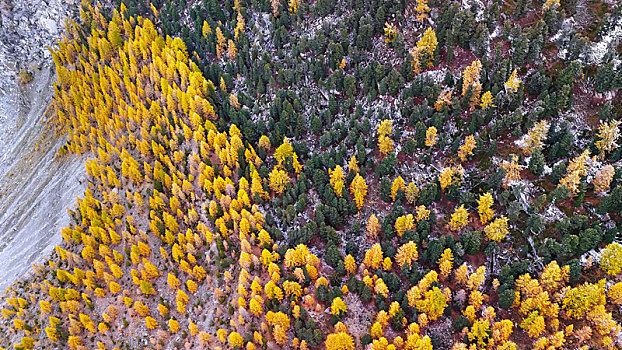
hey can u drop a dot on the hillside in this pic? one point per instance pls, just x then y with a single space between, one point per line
335 175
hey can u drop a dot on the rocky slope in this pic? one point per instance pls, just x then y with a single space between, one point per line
34 187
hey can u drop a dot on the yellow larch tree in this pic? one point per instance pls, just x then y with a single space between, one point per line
372 227
486 100
512 170
385 145
450 176
470 78
398 184
390 30
385 128
467 148
350 264
381 288
407 254
387 264
603 178
255 306
615 293
430 136
484 207
293 6
534 324
422 10
553 277
550 4
445 263
513 82
444 99
221 42
285 151
404 223
459 219
608 134
422 213
336 180
498 229
339 341
358 188
536 136
338 307
477 278
235 340
278 180
411 193
231 49
611 259
151 322
576 169
373 256
424 51
433 304
353 165
480 333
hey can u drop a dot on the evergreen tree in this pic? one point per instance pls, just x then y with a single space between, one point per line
536 162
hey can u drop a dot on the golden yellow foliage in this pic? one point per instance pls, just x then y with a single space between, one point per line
484 207
459 219
422 10
444 99
424 50
430 136
486 100
278 180
603 178
358 188
389 32
611 259
467 148
498 229
339 341
536 135
608 134
512 170
404 223
373 256
338 307
470 78
373 226
398 184
513 82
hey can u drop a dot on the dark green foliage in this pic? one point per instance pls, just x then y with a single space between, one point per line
575 270
429 193
471 241
321 293
385 189
588 239
536 162
460 322
506 298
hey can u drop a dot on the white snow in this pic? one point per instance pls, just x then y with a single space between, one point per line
606 44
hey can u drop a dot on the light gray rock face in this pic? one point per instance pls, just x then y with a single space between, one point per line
27 28
35 188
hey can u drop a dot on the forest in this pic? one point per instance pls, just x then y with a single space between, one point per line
335 174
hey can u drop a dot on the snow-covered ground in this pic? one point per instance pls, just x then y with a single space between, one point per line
35 188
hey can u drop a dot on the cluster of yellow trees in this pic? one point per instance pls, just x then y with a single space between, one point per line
162 191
